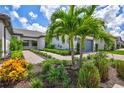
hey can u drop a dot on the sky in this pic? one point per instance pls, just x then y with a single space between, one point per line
37 18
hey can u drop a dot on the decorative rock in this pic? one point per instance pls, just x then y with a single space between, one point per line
117 86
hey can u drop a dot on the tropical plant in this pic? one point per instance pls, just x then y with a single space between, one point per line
90 26
64 24
88 76
58 76
13 70
102 64
120 69
16 44
36 83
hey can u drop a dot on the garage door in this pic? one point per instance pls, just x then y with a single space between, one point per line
88 45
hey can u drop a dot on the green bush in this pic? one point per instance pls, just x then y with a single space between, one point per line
1 53
58 51
36 83
103 65
88 76
55 72
16 44
41 53
103 68
16 54
58 76
120 69
50 46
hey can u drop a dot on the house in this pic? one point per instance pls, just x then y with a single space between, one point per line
31 39
90 44
120 42
35 39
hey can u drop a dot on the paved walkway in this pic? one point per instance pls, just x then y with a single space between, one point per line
60 57
31 57
116 56
121 49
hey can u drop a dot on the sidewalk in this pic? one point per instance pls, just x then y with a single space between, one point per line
32 57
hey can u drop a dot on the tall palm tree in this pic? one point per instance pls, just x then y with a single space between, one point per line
64 23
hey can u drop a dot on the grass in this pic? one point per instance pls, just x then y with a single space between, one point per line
120 52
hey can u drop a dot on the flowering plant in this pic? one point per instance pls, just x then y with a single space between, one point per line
13 70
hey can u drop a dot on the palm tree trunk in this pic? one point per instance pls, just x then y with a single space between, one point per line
82 40
72 50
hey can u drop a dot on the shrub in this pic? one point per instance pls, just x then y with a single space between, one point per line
36 83
1 53
13 70
50 46
88 76
120 69
16 54
58 51
55 72
48 63
16 44
103 66
57 76
41 53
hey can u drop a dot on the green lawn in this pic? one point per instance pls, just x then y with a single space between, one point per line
120 52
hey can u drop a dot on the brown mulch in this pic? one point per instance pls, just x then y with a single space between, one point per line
113 79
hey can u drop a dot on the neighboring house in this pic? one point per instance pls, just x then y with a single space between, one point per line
90 44
120 42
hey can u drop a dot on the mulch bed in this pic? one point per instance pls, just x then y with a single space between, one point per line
113 79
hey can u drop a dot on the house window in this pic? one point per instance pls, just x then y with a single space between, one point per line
34 43
26 43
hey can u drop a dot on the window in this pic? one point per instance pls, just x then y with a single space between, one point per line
34 43
26 43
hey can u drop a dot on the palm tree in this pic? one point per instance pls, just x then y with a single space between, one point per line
90 26
64 24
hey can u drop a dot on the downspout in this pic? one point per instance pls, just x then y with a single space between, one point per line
5 40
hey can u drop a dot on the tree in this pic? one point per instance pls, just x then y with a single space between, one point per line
64 24
90 26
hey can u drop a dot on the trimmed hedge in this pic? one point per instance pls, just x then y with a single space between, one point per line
41 53
58 51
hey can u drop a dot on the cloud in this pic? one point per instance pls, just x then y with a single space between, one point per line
14 14
33 16
6 8
48 10
16 7
113 18
23 21
37 27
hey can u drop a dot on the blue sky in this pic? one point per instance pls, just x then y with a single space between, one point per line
36 17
